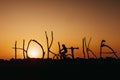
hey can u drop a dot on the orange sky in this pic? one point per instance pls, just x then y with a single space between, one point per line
70 21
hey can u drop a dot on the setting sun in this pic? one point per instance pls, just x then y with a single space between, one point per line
70 20
42 39
33 53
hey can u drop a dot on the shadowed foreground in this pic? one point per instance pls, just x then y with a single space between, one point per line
59 69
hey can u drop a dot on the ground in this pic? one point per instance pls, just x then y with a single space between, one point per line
60 69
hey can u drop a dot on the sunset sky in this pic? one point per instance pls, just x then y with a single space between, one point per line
70 21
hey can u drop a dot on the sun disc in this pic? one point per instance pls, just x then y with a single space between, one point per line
33 52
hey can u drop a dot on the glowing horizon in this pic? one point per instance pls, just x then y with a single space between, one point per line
70 21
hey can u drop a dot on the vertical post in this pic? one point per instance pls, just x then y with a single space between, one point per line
72 52
49 45
24 49
15 49
87 50
102 44
59 50
100 51
87 47
83 42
